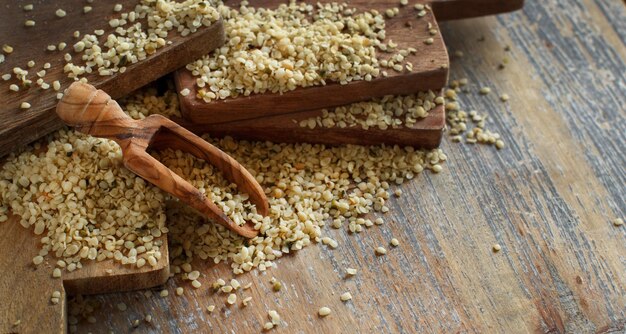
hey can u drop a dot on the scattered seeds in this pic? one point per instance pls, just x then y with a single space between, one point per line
345 296
164 293
380 251
7 49
351 271
324 311
60 13
179 291
485 90
210 308
232 299
618 222
56 273
185 92
504 97
29 23
496 248
394 242
122 307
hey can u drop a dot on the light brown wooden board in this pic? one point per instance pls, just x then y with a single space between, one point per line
548 198
26 289
20 126
430 67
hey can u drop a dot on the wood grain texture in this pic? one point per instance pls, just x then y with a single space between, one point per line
548 198
92 111
19 126
26 289
425 133
271 116
430 71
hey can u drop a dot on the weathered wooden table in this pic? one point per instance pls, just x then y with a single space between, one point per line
549 199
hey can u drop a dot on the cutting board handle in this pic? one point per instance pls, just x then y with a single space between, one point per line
462 9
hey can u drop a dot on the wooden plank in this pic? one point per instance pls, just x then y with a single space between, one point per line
19 126
26 290
425 133
548 198
430 71
430 66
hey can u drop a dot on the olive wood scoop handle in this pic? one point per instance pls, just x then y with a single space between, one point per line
93 112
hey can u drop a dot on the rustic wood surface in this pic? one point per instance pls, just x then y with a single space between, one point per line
26 290
425 133
430 67
548 198
20 126
92 111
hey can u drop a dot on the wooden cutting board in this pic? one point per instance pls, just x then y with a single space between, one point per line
21 126
26 289
275 117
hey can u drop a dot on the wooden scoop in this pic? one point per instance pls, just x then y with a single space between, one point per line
93 111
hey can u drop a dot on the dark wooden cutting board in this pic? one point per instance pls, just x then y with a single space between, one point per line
20 126
275 117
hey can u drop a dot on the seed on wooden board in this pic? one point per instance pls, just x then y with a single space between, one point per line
7 48
496 248
394 242
232 298
60 13
485 90
345 296
164 293
29 23
196 284
56 273
210 308
351 271
179 291
380 251
618 222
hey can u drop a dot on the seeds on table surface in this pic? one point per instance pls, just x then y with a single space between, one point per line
394 242
504 97
148 318
29 23
496 248
618 222
485 90
429 41
56 273
246 301
179 291
232 299
380 251
28 7
87 9
14 87
117 7
345 296
324 311
268 325
60 13
210 308
164 293
196 284
274 317
351 271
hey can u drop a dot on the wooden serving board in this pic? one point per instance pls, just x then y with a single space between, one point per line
19 126
26 289
271 116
